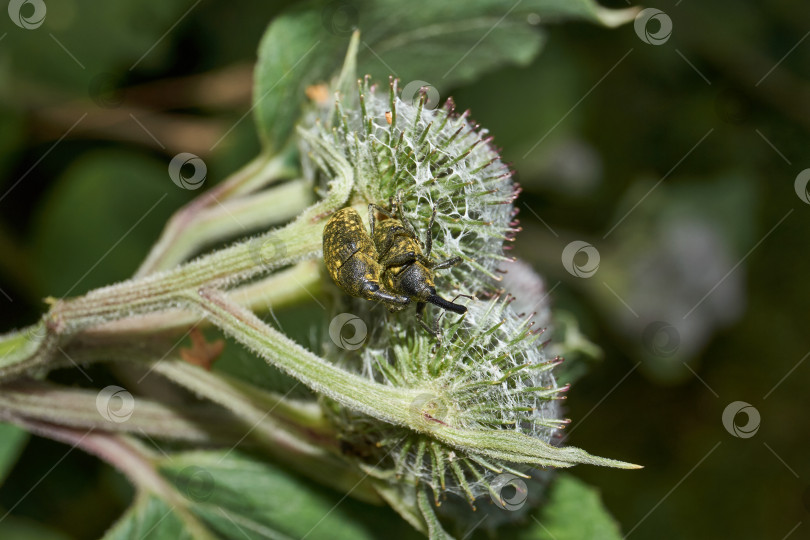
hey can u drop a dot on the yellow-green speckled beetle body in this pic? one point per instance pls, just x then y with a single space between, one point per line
388 265
351 259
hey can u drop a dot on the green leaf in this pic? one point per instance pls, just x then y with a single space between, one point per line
12 440
238 496
306 46
149 518
574 511
228 495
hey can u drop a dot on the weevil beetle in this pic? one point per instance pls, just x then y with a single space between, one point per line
387 265
406 269
351 259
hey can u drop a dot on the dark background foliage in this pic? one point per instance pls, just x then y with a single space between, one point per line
676 162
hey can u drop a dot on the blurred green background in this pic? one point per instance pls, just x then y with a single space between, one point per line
677 162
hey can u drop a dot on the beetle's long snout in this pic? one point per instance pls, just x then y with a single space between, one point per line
437 300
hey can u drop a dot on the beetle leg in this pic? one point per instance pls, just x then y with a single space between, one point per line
420 310
424 260
405 221
393 302
399 260
372 220
429 234
381 210
449 263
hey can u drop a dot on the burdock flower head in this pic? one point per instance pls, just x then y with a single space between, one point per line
433 158
486 371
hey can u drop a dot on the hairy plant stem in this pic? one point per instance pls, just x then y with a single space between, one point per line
46 402
181 237
299 240
297 283
237 217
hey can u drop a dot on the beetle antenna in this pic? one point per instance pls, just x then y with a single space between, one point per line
437 300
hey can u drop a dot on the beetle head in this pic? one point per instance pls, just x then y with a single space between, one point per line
417 282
